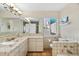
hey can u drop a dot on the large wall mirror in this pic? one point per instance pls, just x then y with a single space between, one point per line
16 25
11 25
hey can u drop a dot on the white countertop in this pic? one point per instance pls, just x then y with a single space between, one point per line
8 48
67 40
64 42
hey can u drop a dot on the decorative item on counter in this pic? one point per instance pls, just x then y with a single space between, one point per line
52 23
65 20
52 20
70 52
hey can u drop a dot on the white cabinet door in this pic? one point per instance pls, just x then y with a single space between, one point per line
36 44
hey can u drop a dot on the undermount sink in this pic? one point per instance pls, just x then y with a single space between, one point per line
10 39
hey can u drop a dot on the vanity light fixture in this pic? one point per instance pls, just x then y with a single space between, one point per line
12 8
11 5
19 12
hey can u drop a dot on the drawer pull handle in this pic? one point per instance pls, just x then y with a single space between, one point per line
71 46
68 51
65 46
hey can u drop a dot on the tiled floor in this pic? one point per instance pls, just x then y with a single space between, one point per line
46 52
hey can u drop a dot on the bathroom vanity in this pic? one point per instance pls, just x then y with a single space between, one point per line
35 43
16 47
19 45
65 48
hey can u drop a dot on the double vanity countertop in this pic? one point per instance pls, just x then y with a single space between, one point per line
7 47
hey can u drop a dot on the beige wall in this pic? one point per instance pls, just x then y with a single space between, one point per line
37 14
72 10
42 13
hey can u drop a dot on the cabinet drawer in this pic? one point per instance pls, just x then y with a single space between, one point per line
33 48
35 44
38 40
39 48
39 43
54 52
31 40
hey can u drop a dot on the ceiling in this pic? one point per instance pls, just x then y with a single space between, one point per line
41 6
34 7
38 6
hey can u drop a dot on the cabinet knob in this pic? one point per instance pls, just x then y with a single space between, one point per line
71 46
68 51
65 46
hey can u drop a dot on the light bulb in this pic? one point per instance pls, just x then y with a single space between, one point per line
27 19
19 12
12 5
15 9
